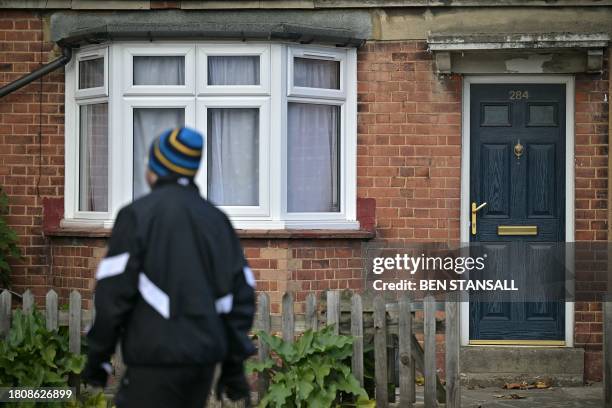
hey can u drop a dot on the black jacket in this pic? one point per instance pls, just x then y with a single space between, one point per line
174 286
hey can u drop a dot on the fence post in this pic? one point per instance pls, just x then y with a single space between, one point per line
380 352
429 369
288 319
5 312
406 368
28 301
312 321
74 322
453 389
263 324
51 311
357 333
607 354
333 310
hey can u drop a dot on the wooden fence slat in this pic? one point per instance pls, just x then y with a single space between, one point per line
288 318
5 312
429 371
380 352
406 368
453 388
311 318
51 311
333 310
263 323
607 357
74 322
27 301
357 333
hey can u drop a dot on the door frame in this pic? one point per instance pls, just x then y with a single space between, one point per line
568 81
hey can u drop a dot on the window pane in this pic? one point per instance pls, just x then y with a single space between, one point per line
495 115
233 70
313 138
542 115
159 70
93 157
316 73
91 73
233 156
148 124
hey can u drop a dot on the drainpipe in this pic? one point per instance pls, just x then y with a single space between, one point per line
34 75
609 169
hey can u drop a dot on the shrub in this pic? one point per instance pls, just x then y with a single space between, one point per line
313 371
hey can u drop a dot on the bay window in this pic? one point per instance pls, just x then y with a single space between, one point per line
279 122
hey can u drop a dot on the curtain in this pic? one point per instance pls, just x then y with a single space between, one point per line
233 156
91 73
315 73
159 70
233 70
93 157
148 124
312 158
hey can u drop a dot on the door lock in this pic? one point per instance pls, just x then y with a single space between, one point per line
475 209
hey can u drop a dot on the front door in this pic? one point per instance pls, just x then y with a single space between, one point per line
517 155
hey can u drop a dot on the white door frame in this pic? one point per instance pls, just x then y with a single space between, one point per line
568 81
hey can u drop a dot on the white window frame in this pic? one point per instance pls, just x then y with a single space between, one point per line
263 104
228 50
127 142
90 54
271 97
316 53
157 50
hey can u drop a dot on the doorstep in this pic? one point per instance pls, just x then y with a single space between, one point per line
490 366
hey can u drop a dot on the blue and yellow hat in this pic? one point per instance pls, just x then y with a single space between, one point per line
176 152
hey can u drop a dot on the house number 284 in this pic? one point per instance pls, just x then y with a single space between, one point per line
515 95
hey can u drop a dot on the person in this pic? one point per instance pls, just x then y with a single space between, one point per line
175 288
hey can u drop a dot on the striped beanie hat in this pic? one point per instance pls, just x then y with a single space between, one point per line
176 152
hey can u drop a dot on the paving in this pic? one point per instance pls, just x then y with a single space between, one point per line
561 397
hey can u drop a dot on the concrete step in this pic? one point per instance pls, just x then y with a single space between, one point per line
489 366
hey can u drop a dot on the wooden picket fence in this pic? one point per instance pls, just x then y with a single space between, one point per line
379 319
386 320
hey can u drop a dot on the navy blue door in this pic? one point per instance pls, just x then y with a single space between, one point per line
517 155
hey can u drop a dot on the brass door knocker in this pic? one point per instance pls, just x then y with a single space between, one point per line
518 149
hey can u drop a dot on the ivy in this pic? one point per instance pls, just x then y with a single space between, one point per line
313 371
8 243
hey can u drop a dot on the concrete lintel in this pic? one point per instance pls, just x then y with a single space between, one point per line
303 4
474 42
346 29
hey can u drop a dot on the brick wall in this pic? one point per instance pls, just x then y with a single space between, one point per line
31 142
408 161
409 143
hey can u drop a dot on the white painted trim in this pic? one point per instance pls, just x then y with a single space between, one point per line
89 54
316 53
568 81
260 50
123 96
185 50
263 105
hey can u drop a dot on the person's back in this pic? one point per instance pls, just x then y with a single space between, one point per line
176 288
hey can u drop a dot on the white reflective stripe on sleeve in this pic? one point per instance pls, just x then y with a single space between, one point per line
248 276
224 304
154 296
112 266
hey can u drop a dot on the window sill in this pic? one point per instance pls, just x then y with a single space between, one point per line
105 232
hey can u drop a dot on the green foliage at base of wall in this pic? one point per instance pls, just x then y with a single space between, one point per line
313 371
